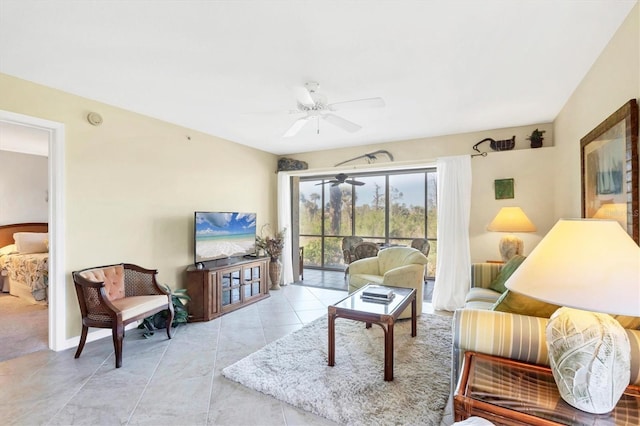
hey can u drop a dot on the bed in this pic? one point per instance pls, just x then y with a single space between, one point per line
24 261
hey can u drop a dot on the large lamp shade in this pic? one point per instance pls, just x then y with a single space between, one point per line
586 264
594 266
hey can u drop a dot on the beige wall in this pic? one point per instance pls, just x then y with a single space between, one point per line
133 183
23 188
612 81
531 169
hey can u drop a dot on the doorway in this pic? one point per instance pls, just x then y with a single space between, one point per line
55 193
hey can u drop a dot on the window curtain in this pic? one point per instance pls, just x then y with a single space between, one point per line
453 268
284 221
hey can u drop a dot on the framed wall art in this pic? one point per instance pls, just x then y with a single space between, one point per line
609 166
503 188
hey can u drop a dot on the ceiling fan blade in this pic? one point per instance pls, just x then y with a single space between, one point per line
347 125
358 103
354 182
296 127
303 96
333 181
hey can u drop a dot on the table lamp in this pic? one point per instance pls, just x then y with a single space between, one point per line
593 266
511 219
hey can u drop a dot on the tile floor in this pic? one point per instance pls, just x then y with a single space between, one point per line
338 281
163 382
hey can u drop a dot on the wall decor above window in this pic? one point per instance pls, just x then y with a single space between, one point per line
609 166
503 188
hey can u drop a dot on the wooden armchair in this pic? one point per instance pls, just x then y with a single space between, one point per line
116 295
421 244
365 249
348 243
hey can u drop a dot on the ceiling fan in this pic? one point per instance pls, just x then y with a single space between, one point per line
314 105
341 178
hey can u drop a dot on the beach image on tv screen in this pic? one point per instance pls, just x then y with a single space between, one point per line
220 235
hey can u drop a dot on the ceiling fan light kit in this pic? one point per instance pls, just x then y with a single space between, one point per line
315 106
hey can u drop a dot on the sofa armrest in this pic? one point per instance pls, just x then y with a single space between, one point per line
368 265
483 274
507 335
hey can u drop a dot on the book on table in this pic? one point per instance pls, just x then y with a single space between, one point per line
378 292
375 299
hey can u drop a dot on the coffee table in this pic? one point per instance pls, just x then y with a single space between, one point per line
384 314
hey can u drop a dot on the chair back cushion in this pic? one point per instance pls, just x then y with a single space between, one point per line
421 244
365 249
348 243
112 276
393 257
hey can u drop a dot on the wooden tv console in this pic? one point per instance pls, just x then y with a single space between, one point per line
226 286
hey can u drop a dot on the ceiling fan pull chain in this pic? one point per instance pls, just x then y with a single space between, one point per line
318 124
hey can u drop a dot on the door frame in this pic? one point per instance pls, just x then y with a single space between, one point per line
57 279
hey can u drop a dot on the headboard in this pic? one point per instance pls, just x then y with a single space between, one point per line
7 231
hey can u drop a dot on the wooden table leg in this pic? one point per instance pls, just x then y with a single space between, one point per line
414 317
332 338
388 353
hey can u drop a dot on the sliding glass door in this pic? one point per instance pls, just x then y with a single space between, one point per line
390 208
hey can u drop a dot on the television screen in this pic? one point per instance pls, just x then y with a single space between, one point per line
221 235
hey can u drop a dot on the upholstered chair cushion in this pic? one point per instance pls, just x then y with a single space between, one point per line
113 278
398 256
133 306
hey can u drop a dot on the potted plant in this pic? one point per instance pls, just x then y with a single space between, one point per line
159 320
536 138
273 246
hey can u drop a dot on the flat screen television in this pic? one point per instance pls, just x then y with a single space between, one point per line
220 235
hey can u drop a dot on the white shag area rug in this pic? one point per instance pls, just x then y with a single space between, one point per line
294 369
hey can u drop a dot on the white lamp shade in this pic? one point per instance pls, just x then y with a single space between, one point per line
585 264
511 219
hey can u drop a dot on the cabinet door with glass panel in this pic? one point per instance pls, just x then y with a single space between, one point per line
230 287
254 277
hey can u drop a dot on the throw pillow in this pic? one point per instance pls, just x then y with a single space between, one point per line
512 264
31 242
517 303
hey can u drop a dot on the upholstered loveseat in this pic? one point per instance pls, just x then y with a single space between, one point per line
394 267
520 336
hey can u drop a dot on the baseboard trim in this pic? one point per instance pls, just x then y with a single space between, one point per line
97 334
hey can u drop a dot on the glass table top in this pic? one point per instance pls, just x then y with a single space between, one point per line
355 302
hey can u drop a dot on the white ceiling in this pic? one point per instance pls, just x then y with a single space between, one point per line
229 68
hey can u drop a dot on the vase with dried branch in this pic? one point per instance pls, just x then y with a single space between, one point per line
272 245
